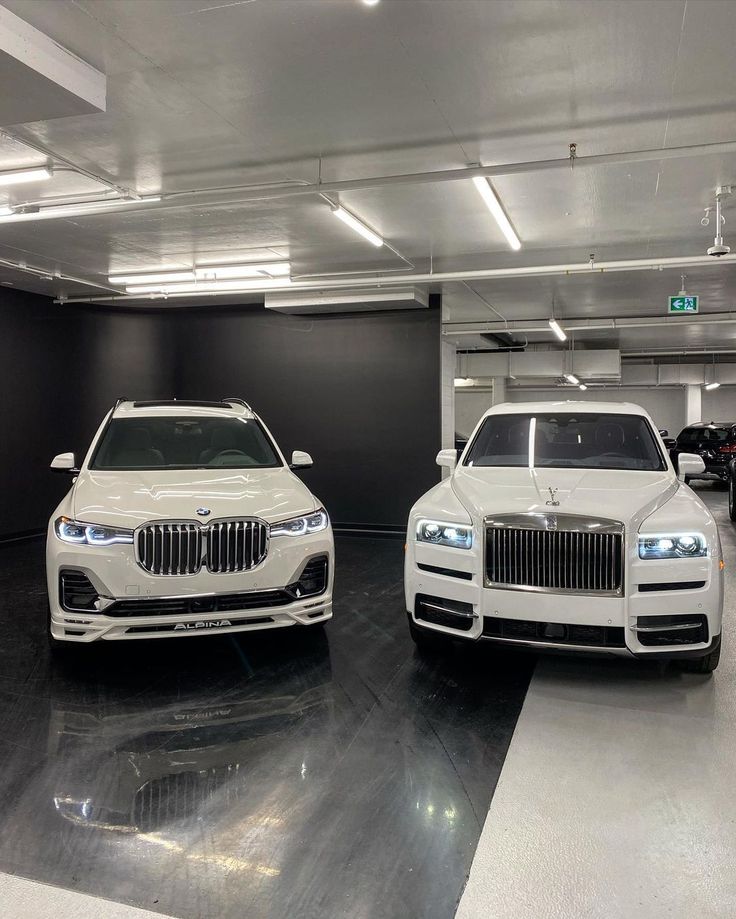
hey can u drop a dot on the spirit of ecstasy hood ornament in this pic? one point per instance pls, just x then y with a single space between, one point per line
553 502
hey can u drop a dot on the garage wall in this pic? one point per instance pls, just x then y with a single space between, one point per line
719 404
360 392
665 405
61 371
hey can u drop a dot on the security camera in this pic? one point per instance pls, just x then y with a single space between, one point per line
718 250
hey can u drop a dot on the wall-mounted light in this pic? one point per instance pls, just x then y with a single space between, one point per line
352 221
713 385
557 329
488 194
19 176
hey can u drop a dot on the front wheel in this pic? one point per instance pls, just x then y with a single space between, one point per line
705 664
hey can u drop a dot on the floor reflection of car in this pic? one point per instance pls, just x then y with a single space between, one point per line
133 769
714 442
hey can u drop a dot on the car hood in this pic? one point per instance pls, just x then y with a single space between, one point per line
628 496
130 498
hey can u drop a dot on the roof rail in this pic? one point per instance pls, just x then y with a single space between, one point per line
238 401
119 401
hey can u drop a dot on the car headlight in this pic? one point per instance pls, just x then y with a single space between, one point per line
673 545
90 534
301 526
456 535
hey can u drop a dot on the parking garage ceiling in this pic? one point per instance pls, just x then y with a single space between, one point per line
202 97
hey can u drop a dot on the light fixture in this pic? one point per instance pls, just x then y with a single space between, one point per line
18 176
557 329
583 387
712 385
206 273
571 378
205 287
264 269
163 277
352 221
370 2
79 208
6 211
490 197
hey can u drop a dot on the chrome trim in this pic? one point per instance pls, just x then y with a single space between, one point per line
579 530
598 649
666 628
255 537
444 609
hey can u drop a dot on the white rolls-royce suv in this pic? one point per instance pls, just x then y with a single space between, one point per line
564 525
185 518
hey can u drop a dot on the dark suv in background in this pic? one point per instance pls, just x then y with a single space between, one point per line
714 442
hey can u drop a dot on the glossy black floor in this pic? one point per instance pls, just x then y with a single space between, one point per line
289 774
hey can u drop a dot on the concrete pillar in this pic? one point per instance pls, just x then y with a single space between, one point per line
499 390
693 403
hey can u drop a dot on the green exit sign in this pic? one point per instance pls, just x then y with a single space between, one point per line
682 304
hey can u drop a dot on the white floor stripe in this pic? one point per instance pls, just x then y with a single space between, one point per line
23 899
616 799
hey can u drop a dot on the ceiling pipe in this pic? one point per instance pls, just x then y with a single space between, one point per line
450 276
49 275
242 194
591 325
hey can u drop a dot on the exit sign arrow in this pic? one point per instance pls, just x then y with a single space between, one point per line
683 304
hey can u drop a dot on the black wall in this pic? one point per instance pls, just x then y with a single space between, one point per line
360 392
60 371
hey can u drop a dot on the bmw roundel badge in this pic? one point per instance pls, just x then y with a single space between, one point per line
203 511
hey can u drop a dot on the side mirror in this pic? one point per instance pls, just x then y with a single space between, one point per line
689 464
64 462
664 432
447 458
300 460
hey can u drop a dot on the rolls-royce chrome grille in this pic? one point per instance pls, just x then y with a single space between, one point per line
555 552
223 546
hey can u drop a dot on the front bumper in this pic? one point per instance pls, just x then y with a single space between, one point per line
452 579
176 606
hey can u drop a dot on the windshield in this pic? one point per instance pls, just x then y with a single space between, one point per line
703 435
184 443
585 441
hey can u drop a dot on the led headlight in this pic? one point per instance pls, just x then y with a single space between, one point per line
90 534
301 526
673 545
456 535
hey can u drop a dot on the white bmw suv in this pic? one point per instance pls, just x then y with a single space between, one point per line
564 525
184 518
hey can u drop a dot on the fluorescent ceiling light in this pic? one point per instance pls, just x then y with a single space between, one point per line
18 176
78 209
488 194
6 211
162 277
255 270
204 287
557 329
712 385
208 274
359 227
370 2
583 387
571 378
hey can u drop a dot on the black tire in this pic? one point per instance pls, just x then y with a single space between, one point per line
705 664
426 641
731 500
